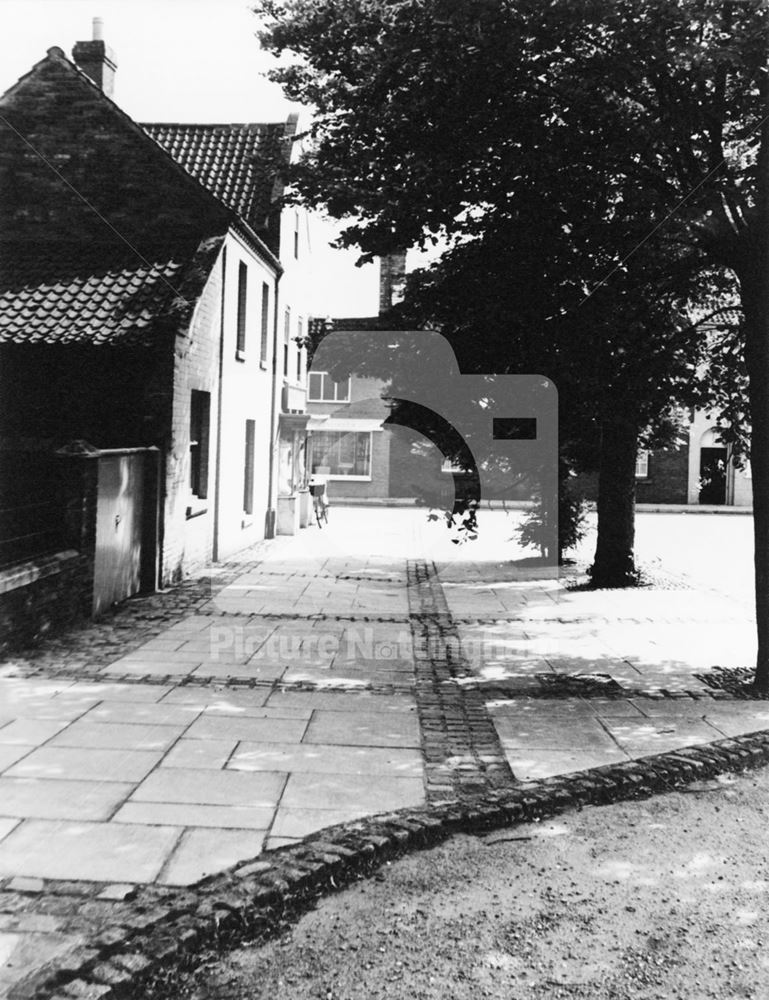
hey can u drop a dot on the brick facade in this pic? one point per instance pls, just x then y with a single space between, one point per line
667 477
666 482
188 524
48 598
110 184
118 369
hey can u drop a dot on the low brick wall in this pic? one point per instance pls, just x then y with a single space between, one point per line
41 596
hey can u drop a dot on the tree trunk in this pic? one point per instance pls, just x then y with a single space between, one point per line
754 286
614 563
753 273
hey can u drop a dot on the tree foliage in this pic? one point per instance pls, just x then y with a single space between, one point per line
632 135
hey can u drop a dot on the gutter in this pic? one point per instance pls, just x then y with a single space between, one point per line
246 233
270 515
220 394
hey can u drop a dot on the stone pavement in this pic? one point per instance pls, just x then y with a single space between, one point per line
363 668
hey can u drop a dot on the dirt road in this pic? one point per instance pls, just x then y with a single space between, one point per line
658 899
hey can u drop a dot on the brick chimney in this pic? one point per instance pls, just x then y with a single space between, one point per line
96 59
392 277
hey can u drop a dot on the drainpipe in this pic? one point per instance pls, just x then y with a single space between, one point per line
270 516
220 394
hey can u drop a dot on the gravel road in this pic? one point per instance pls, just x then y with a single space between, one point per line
648 900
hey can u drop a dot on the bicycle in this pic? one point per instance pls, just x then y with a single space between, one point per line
319 503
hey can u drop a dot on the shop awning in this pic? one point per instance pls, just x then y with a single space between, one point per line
346 425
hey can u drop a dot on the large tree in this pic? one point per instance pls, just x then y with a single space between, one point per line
431 114
624 361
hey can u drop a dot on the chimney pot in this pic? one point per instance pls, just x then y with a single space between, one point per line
98 29
392 277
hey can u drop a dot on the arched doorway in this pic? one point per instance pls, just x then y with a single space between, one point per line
713 468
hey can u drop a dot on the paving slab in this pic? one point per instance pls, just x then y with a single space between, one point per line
49 798
393 729
557 733
319 759
117 736
731 723
22 951
348 791
349 676
105 691
11 752
263 730
205 852
96 851
162 657
644 737
147 713
6 825
31 732
194 815
613 708
213 753
339 701
85 764
204 786
531 765
226 699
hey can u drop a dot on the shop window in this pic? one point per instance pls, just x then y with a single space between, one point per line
345 454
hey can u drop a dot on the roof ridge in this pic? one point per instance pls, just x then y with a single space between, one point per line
247 125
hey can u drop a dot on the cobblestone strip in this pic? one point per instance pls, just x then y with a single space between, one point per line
92 644
148 944
462 753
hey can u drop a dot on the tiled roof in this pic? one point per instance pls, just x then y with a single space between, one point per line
240 164
729 318
373 406
68 294
364 323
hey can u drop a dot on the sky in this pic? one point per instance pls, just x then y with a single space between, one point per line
183 61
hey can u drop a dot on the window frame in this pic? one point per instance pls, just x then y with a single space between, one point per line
642 464
240 337
341 477
323 376
200 441
248 467
265 327
286 338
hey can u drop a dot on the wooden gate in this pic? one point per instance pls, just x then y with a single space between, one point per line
126 525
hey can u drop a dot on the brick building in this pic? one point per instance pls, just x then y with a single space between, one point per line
365 456
368 458
141 307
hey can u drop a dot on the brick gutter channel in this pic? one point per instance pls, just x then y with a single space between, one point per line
160 933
